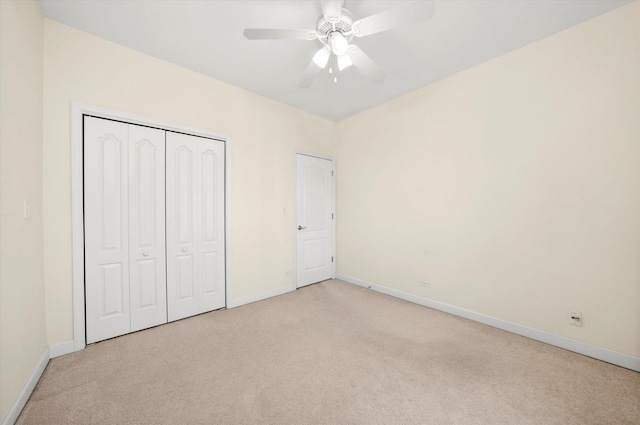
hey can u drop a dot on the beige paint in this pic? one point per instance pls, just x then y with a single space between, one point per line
84 68
512 187
22 307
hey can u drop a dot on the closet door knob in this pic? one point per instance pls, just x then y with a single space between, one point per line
184 249
146 254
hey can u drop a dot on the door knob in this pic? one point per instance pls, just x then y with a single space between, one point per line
301 227
145 254
184 249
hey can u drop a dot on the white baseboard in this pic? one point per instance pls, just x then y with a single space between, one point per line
600 353
237 302
61 349
17 406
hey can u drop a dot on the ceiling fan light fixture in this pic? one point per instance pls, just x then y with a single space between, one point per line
321 58
336 28
339 44
344 62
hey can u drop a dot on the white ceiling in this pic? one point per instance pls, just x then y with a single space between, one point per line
206 36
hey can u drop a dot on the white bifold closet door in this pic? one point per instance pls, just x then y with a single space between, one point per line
147 255
195 225
124 206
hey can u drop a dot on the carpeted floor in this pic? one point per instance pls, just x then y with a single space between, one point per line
330 353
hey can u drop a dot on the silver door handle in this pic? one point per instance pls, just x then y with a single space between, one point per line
301 227
146 254
184 249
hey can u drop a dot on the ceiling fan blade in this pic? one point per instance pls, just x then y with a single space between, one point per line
365 64
406 14
279 34
309 75
331 8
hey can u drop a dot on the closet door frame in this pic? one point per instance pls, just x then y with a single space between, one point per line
78 111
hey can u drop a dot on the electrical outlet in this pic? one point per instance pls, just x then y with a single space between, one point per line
425 284
575 318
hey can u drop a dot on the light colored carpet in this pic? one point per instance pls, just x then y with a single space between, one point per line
330 353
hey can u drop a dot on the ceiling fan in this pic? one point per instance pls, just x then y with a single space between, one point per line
336 28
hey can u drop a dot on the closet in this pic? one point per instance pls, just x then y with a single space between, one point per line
153 226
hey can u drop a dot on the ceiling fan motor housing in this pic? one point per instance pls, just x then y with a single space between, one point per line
342 24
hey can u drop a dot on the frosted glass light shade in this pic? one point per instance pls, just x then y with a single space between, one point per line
344 62
321 58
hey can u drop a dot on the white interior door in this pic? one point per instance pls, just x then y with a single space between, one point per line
106 206
147 275
315 219
195 225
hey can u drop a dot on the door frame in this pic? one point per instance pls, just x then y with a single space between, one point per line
295 214
78 111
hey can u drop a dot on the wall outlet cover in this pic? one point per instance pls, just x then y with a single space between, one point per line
575 318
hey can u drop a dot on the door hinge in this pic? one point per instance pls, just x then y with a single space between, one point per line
332 172
331 216
332 259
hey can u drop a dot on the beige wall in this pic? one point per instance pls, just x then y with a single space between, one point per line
84 68
22 308
512 187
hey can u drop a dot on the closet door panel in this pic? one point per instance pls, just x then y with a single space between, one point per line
195 225
106 207
211 222
147 227
182 277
